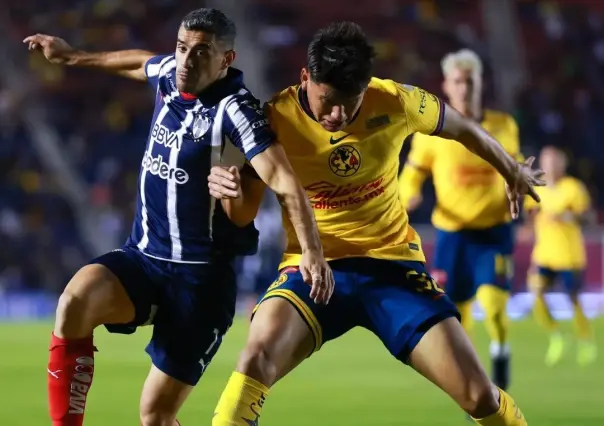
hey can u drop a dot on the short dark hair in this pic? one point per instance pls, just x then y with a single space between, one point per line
211 21
342 57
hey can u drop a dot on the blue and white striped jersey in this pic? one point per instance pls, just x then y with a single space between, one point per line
176 218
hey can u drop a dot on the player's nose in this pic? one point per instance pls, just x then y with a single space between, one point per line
337 113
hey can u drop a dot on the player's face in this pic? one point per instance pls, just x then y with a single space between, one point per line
330 109
462 88
200 60
553 163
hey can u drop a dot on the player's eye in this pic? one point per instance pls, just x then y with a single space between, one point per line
182 49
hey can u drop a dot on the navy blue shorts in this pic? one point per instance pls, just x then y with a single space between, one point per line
571 279
464 260
191 307
397 301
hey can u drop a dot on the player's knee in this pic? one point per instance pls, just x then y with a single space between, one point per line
481 399
73 317
257 362
157 418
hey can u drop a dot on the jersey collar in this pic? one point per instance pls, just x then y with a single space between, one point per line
217 91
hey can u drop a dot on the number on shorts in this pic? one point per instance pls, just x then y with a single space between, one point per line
425 281
202 361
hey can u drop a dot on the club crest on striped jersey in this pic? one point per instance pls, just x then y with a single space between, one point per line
201 124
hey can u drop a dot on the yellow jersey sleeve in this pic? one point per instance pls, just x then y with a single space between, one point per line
424 111
580 196
417 168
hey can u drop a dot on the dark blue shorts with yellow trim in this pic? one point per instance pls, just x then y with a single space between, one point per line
571 279
466 259
397 301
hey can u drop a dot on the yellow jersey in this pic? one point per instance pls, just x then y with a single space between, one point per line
351 176
558 243
470 193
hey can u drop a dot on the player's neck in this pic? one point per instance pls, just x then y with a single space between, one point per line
553 180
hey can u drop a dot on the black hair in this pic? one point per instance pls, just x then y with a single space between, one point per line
211 21
342 57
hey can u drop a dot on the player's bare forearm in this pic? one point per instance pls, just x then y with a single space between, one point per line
477 140
274 169
244 209
127 63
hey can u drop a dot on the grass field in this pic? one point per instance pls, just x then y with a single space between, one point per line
350 382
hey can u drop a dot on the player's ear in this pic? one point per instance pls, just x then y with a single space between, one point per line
229 58
304 77
444 87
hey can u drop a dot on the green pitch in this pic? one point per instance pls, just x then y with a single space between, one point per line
350 382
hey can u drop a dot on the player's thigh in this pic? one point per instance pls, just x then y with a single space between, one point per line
196 310
103 292
279 339
402 301
162 398
445 356
288 326
450 266
284 328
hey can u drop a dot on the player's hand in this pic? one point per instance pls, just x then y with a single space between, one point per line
224 182
55 49
316 272
523 183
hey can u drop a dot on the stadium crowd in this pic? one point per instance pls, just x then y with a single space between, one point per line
102 121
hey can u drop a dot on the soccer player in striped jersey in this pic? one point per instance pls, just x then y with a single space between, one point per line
175 271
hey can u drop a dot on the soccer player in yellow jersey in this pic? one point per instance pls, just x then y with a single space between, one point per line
559 252
342 132
474 240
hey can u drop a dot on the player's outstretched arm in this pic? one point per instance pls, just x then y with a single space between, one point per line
126 63
520 178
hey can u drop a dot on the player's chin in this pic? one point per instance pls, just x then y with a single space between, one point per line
183 85
332 126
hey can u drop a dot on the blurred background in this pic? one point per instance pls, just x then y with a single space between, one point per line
71 140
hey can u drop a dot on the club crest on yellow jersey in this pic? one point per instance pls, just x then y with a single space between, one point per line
345 161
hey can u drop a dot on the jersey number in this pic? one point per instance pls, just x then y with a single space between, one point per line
424 283
202 361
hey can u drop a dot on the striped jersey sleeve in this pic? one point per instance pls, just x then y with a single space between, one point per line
158 66
246 126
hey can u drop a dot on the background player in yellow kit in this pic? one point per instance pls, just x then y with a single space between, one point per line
559 252
474 240
342 132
